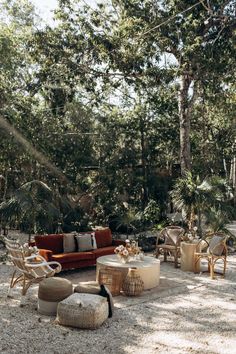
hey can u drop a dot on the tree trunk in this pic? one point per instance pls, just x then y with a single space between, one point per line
184 117
144 165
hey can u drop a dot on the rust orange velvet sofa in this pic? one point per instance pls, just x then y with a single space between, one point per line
51 248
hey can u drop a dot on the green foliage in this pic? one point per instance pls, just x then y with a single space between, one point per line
217 219
196 197
32 206
97 103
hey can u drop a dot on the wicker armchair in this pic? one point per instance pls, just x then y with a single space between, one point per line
172 236
28 270
212 251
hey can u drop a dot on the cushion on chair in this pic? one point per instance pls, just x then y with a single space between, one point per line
69 243
103 237
215 245
172 235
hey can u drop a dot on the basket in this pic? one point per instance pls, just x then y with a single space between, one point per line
133 284
112 278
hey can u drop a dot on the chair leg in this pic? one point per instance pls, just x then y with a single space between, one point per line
9 294
157 253
212 265
176 259
165 256
208 267
24 291
196 260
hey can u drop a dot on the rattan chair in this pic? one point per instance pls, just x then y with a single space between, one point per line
28 270
171 237
213 251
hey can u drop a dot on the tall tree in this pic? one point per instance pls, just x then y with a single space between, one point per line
130 37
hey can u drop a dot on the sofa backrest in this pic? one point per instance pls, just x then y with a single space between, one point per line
103 237
53 242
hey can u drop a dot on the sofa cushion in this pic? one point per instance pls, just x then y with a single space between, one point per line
104 251
84 242
53 242
103 237
73 257
69 243
93 238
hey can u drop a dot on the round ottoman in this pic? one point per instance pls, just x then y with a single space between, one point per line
83 311
51 292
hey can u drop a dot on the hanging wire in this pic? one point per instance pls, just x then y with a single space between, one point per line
170 19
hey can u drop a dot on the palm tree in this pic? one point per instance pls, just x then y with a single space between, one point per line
33 205
217 220
196 198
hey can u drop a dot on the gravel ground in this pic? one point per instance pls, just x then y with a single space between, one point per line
187 314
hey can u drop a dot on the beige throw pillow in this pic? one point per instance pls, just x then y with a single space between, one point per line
69 244
84 242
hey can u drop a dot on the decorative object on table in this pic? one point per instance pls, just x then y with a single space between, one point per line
130 251
133 284
111 278
171 236
83 311
192 235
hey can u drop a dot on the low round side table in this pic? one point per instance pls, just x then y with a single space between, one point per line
187 250
148 268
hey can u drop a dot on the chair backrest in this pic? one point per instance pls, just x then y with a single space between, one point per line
173 235
16 255
18 258
217 244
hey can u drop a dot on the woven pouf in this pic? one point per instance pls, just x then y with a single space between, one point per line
93 287
51 292
83 311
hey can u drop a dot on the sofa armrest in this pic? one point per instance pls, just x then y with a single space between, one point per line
46 254
118 242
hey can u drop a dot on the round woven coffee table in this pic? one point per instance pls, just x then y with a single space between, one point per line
148 268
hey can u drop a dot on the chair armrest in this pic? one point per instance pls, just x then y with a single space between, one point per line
42 264
201 246
46 254
118 242
33 256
